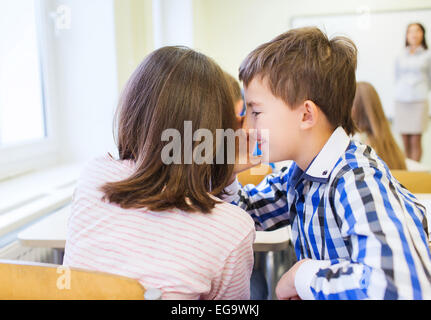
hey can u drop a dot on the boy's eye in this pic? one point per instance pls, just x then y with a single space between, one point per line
255 113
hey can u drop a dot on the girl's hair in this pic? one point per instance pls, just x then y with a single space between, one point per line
370 119
172 85
424 41
235 87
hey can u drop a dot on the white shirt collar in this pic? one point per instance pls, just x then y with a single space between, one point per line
418 50
323 164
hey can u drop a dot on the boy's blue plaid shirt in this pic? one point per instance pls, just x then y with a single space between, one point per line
364 231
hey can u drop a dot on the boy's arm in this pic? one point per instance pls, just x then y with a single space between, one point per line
267 203
390 258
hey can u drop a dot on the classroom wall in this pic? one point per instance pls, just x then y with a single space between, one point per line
227 30
173 22
223 29
85 73
142 26
134 35
248 23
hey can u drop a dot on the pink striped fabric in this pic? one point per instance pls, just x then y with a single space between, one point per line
186 255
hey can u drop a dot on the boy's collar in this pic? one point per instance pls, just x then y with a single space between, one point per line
322 165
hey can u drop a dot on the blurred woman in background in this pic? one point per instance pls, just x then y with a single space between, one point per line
413 82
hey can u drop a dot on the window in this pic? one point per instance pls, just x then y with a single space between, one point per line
24 135
21 90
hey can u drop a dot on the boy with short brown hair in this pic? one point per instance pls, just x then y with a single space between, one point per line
358 233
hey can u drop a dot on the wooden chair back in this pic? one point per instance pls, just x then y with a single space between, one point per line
414 181
38 281
254 175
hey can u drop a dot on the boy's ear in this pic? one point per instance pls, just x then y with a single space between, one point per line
309 114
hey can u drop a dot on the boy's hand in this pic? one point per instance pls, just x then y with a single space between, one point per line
285 289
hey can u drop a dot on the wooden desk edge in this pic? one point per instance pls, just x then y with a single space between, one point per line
53 244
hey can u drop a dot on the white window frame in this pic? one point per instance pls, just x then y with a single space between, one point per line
29 156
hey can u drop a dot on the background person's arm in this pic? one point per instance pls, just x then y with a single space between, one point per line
397 70
429 70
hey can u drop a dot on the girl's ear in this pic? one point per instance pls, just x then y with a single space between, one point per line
309 113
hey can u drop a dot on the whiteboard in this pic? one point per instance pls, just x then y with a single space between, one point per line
379 37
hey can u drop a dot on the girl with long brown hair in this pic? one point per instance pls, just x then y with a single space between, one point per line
158 222
369 117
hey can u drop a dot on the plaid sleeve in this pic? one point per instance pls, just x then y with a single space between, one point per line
267 203
390 257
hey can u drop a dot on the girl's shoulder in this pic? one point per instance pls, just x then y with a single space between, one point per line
108 167
103 169
233 210
233 216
